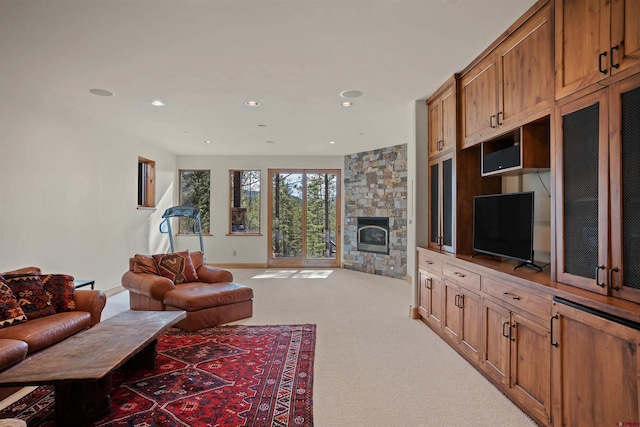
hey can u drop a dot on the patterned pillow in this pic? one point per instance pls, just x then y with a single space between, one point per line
30 294
10 311
61 290
145 264
176 266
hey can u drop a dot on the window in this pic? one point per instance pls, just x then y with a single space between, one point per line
245 202
146 183
195 190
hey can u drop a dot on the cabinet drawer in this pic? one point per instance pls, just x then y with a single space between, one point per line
517 297
429 263
465 278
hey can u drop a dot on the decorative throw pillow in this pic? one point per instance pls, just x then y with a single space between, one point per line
61 290
176 266
10 311
23 270
145 264
30 294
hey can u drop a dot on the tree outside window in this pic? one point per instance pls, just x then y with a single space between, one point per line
245 202
195 190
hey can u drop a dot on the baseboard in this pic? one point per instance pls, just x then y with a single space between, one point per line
219 265
414 313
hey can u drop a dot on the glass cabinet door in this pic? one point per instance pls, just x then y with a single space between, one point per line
441 198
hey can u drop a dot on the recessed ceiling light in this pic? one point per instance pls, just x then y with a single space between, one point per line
351 94
101 92
262 126
208 141
270 142
332 142
252 104
158 103
347 104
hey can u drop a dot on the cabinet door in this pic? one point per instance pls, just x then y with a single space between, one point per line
441 198
470 331
526 85
496 331
581 167
582 43
595 365
479 102
625 35
530 378
624 148
451 303
449 124
430 297
435 127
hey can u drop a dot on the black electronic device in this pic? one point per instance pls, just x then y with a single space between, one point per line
503 226
506 158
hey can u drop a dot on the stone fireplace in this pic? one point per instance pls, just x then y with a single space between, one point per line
373 235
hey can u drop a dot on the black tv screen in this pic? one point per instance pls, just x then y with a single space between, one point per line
503 225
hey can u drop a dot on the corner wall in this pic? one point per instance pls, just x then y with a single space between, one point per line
375 185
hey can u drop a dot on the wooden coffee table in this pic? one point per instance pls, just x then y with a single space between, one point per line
79 367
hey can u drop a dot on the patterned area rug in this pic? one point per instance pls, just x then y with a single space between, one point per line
224 376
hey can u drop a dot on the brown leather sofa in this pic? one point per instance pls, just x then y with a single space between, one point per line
211 300
22 339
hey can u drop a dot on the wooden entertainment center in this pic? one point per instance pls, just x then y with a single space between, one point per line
559 91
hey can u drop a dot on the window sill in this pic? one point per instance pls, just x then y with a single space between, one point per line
146 208
243 234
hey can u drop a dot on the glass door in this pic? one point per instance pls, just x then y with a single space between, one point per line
304 218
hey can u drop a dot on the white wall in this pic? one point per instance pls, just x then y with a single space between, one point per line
68 191
219 247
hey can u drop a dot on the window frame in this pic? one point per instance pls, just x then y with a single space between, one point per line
146 183
180 232
231 232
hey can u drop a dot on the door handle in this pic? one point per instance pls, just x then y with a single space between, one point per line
498 118
598 268
491 125
555 344
602 70
611 271
430 282
616 66
505 334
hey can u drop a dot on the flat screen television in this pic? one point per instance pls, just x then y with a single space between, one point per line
503 226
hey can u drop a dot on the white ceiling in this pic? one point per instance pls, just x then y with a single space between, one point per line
205 58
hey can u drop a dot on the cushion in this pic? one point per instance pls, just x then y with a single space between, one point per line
30 294
145 264
177 267
61 290
23 270
10 311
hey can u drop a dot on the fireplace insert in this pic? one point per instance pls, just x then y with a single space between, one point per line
373 235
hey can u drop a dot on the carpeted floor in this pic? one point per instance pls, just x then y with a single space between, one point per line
225 376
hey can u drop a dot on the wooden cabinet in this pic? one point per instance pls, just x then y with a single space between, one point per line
594 40
442 118
512 85
597 207
516 348
596 362
462 312
441 202
430 297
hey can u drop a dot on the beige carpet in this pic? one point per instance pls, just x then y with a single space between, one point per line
375 366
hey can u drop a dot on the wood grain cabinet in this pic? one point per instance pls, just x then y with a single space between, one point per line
512 85
594 40
430 297
596 364
442 107
597 209
441 202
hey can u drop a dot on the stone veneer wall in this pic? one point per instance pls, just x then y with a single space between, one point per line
375 185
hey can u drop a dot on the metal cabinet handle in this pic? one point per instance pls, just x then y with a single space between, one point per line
611 271
458 274
602 70
511 337
598 268
616 66
512 296
504 334
498 117
430 282
491 125
555 344
428 262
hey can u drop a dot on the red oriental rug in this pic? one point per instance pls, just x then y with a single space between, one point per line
232 375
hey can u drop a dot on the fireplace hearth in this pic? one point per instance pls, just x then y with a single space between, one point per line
373 235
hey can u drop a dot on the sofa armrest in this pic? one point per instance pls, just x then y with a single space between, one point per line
149 285
209 274
92 301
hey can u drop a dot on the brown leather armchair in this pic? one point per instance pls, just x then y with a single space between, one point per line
212 300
